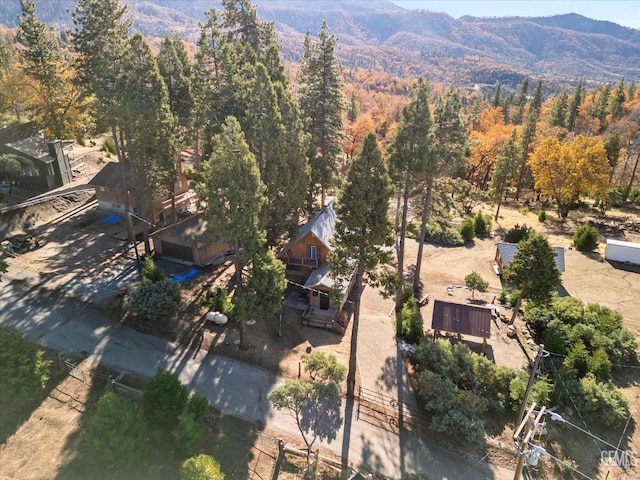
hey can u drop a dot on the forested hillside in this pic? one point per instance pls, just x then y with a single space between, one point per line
382 36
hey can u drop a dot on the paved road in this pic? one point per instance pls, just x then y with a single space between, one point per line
59 322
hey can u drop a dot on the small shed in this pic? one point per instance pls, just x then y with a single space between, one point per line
474 320
621 251
505 252
192 241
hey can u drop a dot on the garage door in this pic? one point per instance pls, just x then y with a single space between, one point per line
180 252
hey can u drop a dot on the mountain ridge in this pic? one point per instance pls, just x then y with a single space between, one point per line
383 36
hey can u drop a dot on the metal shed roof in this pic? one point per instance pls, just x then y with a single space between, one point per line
461 318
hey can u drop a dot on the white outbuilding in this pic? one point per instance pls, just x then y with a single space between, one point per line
624 252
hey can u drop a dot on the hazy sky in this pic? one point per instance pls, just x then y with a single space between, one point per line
622 12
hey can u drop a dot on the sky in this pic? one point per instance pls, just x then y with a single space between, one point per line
622 12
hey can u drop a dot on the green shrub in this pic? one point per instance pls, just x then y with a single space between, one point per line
482 224
23 371
151 270
542 216
219 301
109 146
198 406
154 301
459 426
616 196
116 433
164 398
599 402
201 467
502 297
524 210
409 322
445 236
577 360
467 229
517 233
514 295
599 364
407 294
189 434
586 238
540 391
634 196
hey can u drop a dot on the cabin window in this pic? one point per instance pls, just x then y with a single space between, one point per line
313 252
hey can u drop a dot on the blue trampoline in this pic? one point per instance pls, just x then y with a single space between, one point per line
193 271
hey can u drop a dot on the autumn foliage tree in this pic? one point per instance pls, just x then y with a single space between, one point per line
566 171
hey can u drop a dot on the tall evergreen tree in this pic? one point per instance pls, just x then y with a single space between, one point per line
574 106
148 127
528 136
176 70
520 102
504 170
496 101
449 156
599 109
57 103
100 40
618 97
612 148
352 112
410 151
363 234
322 105
533 270
231 196
558 114
242 24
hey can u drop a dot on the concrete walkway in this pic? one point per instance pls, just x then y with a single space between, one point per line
61 323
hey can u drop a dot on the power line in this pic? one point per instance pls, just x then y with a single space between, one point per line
537 449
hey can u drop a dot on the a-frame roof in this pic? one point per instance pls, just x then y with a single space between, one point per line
322 225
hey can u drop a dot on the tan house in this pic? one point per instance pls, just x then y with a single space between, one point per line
112 182
308 272
191 241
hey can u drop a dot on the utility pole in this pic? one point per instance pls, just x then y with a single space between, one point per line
528 424
532 377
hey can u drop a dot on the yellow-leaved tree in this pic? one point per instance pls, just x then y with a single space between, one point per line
564 172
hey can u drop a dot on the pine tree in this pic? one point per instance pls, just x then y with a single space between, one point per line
231 197
504 170
520 102
496 101
292 172
558 114
100 40
176 70
410 151
242 24
449 156
363 233
321 104
56 102
148 127
352 112
599 109
574 106
533 270
528 136
615 105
